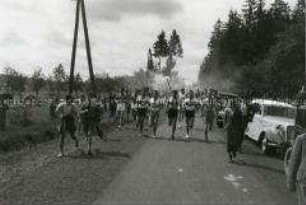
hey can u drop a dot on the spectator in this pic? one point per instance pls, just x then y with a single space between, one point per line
296 180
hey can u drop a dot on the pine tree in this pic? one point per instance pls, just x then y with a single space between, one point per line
150 64
260 12
280 10
175 45
216 37
299 12
262 31
175 52
249 13
161 48
232 37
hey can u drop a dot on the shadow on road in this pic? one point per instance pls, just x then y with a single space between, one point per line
245 164
112 154
112 140
253 153
182 139
97 154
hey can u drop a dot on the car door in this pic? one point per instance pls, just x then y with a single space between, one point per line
255 126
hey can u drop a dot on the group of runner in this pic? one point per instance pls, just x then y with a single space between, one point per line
179 106
143 108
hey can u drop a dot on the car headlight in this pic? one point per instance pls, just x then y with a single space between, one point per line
280 129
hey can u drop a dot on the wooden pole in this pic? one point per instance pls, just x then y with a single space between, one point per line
74 47
91 73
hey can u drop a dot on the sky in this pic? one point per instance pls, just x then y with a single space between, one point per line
39 33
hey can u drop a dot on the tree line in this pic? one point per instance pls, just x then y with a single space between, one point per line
57 82
162 60
259 52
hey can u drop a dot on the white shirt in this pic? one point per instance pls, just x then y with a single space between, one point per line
63 109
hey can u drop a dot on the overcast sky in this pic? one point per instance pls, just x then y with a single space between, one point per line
37 33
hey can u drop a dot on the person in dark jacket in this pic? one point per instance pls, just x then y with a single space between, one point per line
141 106
246 118
296 180
91 116
112 107
234 127
209 115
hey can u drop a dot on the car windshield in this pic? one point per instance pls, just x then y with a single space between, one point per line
293 132
280 111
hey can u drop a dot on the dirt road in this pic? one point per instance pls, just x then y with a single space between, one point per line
130 169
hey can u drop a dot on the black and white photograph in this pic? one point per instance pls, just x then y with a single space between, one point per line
152 102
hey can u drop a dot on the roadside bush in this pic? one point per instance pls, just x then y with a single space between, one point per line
12 141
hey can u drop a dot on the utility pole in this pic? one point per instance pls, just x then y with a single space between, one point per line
80 5
74 46
91 73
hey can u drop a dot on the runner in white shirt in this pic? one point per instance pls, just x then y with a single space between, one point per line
120 111
154 109
190 109
181 108
68 114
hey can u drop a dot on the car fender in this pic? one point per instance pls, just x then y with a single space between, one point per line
272 135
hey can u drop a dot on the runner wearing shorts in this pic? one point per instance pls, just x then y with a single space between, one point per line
154 109
190 110
172 110
141 110
68 114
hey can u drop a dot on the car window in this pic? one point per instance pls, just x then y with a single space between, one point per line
293 132
301 117
280 111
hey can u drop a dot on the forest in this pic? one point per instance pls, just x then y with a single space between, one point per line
259 51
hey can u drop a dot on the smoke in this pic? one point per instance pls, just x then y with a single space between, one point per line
216 79
164 83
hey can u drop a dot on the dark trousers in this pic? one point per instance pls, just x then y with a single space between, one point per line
233 139
154 121
67 125
172 119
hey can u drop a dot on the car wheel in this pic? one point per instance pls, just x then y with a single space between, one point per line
265 145
287 158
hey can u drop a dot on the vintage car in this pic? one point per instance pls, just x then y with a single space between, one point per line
272 124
